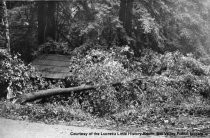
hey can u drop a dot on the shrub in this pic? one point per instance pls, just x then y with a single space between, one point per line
52 47
185 73
19 77
170 79
150 62
100 67
178 64
47 113
175 84
171 64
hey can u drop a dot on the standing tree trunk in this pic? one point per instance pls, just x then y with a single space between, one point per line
51 28
46 20
41 21
4 24
126 17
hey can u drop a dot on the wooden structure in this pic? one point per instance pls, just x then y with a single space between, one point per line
52 66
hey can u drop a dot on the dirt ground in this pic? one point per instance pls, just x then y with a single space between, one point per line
23 129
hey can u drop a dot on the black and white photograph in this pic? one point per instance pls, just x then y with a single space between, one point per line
104 68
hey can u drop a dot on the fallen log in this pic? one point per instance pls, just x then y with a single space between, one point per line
56 91
50 92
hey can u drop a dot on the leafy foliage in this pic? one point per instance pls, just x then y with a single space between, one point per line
21 78
52 47
47 113
177 86
162 25
100 67
171 25
169 79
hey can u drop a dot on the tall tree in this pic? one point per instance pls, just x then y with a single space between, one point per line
4 23
46 20
51 25
125 15
41 21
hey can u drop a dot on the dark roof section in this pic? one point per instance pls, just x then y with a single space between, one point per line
52 66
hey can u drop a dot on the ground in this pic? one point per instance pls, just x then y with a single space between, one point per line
22 129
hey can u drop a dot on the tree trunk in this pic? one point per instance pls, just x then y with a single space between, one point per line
5 24
125 15
51 28
42 8
50 92
46 20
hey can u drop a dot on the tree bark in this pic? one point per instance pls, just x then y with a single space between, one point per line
51 25
4 24
125 15
46 20
50 92
41 21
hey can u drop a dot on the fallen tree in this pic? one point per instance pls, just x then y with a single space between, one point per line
51 92
57 91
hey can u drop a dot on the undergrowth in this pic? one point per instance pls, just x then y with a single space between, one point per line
154 88
21 78
48 113
152 85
